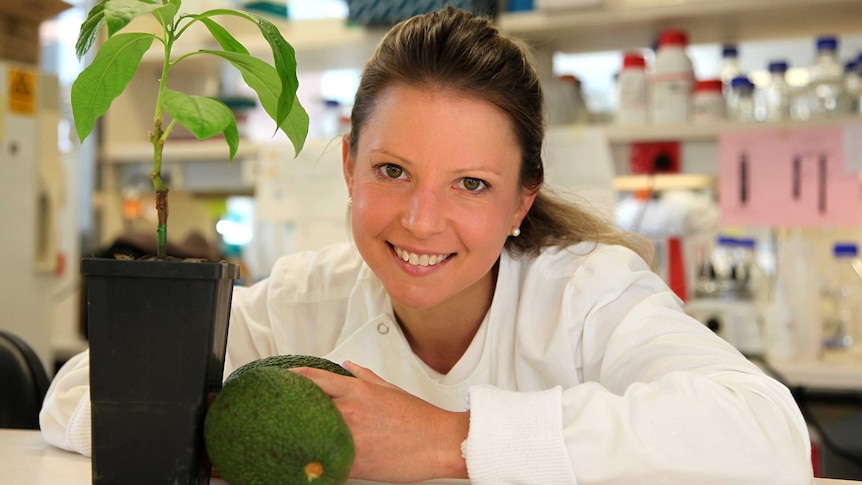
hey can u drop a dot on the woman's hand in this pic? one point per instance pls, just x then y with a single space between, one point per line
398 437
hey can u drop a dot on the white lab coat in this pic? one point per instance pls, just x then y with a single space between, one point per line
585 370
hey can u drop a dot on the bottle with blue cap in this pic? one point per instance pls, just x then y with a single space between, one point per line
841 298
740 101
777 95
729 68
853 84
825 80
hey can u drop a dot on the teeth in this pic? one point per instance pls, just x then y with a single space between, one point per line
420 260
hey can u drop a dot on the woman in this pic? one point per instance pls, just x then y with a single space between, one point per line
497 333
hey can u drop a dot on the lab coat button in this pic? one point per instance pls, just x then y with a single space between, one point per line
382 328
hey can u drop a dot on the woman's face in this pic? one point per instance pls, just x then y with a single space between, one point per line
435 192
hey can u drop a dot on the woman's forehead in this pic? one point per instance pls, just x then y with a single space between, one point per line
413 119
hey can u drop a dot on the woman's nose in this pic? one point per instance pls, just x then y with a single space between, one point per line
425 213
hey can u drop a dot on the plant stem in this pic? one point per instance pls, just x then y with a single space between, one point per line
161 189
157 138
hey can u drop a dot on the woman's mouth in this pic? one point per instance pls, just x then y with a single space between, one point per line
420 259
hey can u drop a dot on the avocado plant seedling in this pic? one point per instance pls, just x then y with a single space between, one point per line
117 60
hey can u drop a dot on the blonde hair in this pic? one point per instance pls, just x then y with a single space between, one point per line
458 51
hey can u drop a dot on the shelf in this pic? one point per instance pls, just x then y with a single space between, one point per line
707 132
216 149
176 151
629 24
683 181
618 24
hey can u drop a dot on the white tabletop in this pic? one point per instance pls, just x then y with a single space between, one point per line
25 458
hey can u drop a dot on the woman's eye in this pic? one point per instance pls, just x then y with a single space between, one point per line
393 171
473 184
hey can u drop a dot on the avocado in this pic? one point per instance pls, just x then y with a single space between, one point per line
288 361
269 425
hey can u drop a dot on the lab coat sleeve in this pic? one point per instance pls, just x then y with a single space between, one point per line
664 400
65 416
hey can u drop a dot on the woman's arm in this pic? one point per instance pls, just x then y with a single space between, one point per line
663 399
730 427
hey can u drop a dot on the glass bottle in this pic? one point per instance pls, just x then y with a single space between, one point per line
729 65
777 94
825 80
853 86
841 297
740 101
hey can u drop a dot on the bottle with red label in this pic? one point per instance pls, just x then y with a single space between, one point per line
632 90
708 101
672 79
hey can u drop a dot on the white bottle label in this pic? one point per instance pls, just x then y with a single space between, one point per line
670 97
708 107
632 107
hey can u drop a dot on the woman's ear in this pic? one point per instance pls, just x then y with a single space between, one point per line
527 198
347 163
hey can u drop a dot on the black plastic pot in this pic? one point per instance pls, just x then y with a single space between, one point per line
157 335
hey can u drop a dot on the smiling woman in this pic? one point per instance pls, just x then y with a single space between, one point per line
496 332
435 175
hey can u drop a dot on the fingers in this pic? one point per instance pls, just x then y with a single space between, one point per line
335 385
363 373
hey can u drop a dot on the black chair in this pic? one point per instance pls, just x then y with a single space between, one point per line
23 383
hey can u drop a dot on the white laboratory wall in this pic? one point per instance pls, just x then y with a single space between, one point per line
300 203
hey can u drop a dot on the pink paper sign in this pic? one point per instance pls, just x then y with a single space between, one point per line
794 178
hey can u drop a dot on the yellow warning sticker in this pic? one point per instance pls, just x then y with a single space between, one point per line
22 91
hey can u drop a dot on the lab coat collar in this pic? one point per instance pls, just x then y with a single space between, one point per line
370 303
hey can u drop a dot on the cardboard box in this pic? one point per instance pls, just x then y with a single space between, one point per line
19 27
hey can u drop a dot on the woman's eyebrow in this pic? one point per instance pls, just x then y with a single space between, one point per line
393 155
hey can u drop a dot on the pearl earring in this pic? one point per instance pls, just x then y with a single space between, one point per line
349 201
516 232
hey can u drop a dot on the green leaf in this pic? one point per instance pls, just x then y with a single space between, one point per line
90 29
295 126
118 13
264 80
203 116
284 59
106 78
165 15
222 36
231 136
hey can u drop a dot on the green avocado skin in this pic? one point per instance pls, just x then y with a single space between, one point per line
289 361
268 423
